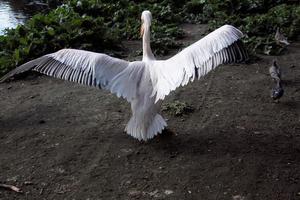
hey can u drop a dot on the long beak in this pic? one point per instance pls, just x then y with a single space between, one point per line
142 30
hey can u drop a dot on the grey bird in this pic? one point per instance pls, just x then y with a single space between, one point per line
280 38
275 71
277 92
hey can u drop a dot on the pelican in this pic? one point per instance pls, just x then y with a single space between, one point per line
144 84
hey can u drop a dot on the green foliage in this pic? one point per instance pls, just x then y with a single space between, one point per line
177 108
258 19
61 28
124 16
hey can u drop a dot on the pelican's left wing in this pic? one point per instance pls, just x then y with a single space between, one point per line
89 68
219 47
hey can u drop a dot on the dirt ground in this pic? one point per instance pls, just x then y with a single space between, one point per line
60 140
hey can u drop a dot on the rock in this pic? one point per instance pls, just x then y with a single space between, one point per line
168 192
155 194
238 197
134 193
28 183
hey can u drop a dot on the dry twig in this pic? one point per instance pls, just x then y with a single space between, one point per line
11 187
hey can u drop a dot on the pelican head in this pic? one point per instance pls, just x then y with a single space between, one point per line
146 21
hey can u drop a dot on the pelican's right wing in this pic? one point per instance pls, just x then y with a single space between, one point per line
221 46
89 68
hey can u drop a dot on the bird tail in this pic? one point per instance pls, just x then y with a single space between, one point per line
139 130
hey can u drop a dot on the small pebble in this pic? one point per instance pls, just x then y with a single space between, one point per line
168 192
28 183
240 127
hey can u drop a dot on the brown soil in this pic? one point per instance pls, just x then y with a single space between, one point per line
67 140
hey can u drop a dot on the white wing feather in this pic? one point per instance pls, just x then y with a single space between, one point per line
219 47
89 68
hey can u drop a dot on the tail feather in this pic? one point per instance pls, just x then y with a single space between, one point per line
138 130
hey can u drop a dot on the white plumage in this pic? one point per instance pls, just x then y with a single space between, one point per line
142 83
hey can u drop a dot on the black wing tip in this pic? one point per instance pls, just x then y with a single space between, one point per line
8 76
20 76
242 52
3 79
21 69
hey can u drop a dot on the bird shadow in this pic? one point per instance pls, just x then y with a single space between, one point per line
220 143
291 83
289 104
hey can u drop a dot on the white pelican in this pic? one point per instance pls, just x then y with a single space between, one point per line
144 83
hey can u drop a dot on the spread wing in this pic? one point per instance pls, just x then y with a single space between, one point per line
219 47
88 68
